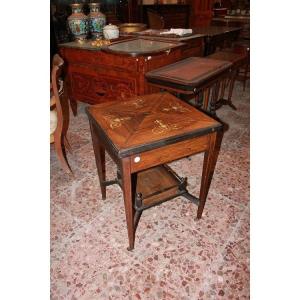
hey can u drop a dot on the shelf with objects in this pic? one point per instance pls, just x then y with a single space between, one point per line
115 11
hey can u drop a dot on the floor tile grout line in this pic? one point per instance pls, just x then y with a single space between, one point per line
237 226
229 199
220 260
185 225
242 206
77 220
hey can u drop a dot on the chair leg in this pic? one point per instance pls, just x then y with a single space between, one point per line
245 76
67 144
73 104
61 155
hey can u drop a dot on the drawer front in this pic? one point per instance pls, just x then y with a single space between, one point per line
168 153
92 89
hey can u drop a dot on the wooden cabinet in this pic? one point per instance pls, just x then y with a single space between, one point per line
174 15
95 76
201 12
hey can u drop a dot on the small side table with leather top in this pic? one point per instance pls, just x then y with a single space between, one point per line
238 60
143 134
193 75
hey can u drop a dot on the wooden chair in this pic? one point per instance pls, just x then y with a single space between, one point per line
155 20
59 114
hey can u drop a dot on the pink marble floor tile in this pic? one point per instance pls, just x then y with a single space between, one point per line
245 138
62 224
238 158
82 200
77 140
57 174
231 138
233 281
165 247
232 183
85 160
232 271
85 259
238 118
238 245
92 269
219 218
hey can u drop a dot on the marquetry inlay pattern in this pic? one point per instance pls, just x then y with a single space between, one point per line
152 117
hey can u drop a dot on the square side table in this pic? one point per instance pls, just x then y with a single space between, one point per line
143 134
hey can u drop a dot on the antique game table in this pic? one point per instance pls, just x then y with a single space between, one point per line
143 134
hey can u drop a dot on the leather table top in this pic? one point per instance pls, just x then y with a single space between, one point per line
192 71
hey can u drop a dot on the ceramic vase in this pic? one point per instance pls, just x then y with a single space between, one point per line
78 22
110 32
97 20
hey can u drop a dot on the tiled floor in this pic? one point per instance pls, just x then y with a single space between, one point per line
175 256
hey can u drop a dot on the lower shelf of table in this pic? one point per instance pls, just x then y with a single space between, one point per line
157 185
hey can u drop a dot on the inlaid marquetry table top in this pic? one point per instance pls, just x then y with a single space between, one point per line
148 122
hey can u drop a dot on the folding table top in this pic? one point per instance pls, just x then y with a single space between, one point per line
149 121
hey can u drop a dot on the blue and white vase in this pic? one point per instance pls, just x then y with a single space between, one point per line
97 20
78 22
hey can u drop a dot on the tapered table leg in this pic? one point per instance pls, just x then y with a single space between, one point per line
100 160
128 195
207 173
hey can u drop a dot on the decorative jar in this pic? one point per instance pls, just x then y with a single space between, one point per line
111 32
78 22
97 20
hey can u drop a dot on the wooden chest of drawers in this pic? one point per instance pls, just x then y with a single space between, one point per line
96 76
